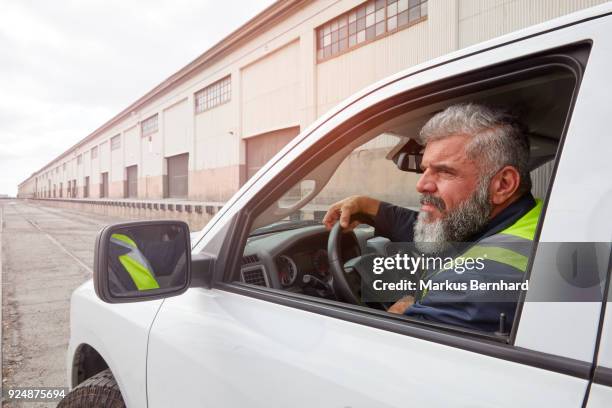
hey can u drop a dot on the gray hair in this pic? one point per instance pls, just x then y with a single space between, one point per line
497 138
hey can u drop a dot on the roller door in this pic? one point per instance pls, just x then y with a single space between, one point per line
178 175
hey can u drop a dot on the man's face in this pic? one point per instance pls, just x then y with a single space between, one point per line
449 177
454 195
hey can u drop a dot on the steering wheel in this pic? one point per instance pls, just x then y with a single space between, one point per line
346 281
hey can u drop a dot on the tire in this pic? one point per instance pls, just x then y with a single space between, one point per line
99 391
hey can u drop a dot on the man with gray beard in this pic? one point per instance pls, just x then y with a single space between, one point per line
475 190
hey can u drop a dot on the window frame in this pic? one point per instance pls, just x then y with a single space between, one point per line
228 262
209 94
145 130
318 37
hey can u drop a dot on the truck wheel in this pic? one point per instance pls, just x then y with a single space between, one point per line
100 391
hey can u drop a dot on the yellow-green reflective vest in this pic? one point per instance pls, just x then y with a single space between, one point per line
135 263
511 246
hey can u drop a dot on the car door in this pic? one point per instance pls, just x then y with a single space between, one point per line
236 345
600 393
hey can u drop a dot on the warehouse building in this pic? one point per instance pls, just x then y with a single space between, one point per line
201 133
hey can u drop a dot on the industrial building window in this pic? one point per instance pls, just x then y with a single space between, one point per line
365 23
149 125
115 142
94 152
214 95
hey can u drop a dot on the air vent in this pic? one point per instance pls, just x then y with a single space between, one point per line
249 259
254 277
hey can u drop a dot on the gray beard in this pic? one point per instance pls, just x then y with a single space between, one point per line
456 225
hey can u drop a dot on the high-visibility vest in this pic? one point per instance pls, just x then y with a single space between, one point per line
511 246
134 262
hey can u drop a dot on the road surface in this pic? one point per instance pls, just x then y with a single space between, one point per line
46 253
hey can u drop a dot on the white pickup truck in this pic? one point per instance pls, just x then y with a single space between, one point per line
249 317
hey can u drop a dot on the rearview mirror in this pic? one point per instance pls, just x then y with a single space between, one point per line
409 157
138 261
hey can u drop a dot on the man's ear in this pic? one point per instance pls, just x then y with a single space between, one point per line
504 184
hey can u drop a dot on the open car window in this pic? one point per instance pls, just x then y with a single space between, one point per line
287 245
365 165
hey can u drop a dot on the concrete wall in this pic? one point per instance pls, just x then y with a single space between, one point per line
131 139
276 82
178 129
215 175
117 172
196 215
151 171
272 81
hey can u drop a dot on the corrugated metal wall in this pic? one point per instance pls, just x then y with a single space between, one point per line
480 20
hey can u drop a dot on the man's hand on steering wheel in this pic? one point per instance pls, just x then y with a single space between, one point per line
342 210
351 212
341 218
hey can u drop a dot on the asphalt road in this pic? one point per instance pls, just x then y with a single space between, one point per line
46 253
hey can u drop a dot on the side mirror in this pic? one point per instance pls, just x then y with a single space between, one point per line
142 260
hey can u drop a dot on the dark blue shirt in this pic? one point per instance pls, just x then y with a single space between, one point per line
470 309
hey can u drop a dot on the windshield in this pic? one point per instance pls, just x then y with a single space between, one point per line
366 167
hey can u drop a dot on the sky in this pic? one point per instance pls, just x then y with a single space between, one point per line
66 67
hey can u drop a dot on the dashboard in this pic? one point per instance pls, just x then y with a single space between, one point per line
296 259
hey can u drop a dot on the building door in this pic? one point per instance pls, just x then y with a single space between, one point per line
178 175
104 185
261 148
86 187
61 190
132 181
